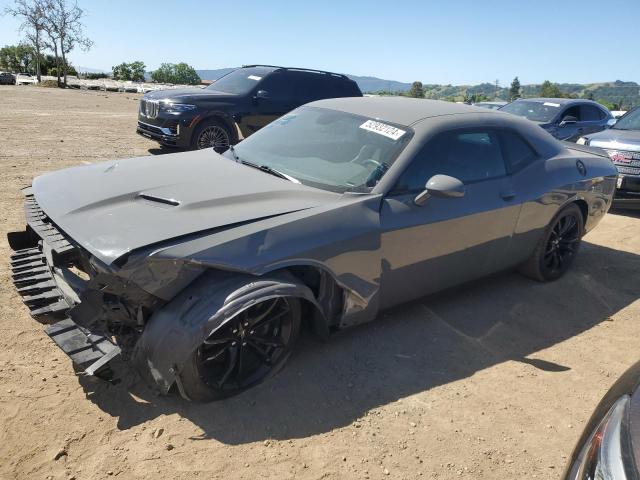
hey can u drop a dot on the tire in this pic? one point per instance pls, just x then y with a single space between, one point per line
558 246
212 134
250 348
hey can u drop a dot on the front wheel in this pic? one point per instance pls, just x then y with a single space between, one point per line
212 134
558 247
245 351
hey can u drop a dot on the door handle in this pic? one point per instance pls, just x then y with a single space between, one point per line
508 195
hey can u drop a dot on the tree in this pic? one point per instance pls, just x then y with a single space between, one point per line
417 90
514 91
32 14
18 58
550 90
129 71
65 29
176 73
138 71
122 72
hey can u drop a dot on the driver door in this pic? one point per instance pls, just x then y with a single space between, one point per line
448 241
272 98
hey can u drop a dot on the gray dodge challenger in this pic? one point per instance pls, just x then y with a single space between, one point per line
201 269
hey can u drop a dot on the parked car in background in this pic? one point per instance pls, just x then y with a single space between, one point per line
234 106
564 118
7 78
622 143
201 266
26 79
609 447
491 105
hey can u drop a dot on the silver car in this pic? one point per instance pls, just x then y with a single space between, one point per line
201 267
622 143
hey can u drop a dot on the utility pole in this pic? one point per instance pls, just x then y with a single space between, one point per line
495 93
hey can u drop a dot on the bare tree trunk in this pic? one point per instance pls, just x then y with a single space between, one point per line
55 52
64 64
38 73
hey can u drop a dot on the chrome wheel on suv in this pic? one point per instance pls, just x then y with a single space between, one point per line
213 136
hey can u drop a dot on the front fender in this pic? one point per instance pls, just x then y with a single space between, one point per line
178 329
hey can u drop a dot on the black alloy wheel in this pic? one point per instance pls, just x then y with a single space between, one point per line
244 351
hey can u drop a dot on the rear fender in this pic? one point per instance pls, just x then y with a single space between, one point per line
179 328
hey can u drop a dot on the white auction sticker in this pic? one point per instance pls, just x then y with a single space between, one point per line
551 104
254 77
383 129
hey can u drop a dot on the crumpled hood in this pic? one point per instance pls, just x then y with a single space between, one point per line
114 207
614 139
189 94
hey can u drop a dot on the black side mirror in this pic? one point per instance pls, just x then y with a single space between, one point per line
262 94
442 186
568 120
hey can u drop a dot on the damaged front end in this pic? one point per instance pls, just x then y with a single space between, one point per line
94 312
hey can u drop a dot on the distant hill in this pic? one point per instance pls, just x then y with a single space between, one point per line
625 94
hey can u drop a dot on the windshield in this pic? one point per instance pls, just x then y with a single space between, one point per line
536 111
240 81
630 121
326 149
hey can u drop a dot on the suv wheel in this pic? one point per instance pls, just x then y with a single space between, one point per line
211 135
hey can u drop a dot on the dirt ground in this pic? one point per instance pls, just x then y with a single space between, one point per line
490 381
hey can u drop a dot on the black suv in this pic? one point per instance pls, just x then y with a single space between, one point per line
234 106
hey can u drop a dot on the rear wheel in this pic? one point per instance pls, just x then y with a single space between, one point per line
212 134
558 247
248 349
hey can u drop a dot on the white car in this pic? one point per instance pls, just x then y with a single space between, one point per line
25 79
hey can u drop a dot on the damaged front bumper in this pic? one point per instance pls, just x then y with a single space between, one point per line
42 276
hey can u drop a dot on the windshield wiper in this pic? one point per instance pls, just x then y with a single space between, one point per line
270 170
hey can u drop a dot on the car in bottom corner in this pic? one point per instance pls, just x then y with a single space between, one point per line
202 268
609 447
621 143
564 118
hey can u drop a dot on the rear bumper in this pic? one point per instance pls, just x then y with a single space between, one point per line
41 277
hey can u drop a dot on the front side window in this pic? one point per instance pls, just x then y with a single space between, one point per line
326 148
278 86
469 156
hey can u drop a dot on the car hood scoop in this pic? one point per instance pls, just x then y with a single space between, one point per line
115 207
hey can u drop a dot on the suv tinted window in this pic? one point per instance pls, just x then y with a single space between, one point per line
312 86
279 85
589 113
469 156
516 151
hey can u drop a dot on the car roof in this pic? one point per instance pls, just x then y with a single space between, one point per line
561 101
400 110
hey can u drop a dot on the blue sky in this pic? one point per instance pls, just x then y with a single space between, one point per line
445 41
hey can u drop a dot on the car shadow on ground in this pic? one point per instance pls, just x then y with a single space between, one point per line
409 349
